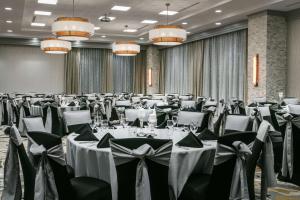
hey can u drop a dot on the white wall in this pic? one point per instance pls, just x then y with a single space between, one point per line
28 69
293 83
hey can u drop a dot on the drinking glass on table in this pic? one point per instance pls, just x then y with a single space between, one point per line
193 128
104 124
175 120
170 126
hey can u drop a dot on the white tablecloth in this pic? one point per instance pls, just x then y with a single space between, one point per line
88 160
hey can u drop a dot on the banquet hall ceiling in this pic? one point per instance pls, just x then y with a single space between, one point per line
199 14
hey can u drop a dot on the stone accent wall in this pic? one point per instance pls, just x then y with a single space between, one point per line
153 62
267 36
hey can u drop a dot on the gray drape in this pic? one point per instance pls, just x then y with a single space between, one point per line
122 73
88 71
181 69
214 67
72 75
224 65
140 73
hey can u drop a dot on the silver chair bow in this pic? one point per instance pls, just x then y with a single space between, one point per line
239 185
124 155
12 189
237 106
257 119
45 187
48 124
288 154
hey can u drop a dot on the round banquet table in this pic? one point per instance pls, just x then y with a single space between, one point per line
88 160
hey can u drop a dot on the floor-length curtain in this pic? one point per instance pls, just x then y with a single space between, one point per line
181 69
123 73
72 72
140 73
224 65
106 70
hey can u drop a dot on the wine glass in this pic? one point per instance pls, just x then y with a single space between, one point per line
175 120
170 125
104 124
193 128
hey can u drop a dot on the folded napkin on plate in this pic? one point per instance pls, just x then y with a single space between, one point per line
80 128
190 141
206 134
86 136
71 104
104 142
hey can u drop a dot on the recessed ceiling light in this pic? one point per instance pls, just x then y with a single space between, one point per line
141 38
8 8
35 38
111 18
184 23
9 31
218 11
51 2
165 12
103 36
129 30
218 23
38 12
149 21
188 32
121 8
37 24
97 28
9 21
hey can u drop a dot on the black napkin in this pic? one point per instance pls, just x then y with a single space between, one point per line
207 134
104 142
71 104
190 141
114 115
135 123
86 136
38 103
161 119
80 128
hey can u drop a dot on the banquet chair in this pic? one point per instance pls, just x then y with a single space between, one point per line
34 124
201 119
217 185
238 107
186 97
290 100
27 167
294 109
188 104
126 172
77 121
123 103
150 103
68 187
237 123
132 114
55 125
293 144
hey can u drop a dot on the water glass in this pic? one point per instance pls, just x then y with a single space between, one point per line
104 124
175 120
193 128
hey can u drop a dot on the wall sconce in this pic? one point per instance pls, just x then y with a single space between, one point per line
150 77
255 70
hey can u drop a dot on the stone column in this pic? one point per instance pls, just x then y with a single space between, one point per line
153 62
267 37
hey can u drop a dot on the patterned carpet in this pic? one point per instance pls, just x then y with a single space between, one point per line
273 194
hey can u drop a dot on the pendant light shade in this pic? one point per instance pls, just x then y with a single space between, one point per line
72 28
167 35
125 48
55 46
